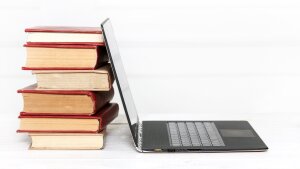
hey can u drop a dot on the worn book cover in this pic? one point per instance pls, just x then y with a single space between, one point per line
69 124
63 102
64 57
64 35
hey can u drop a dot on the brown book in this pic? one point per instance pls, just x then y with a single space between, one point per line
63 102
93 80
64 57
69 124
67 141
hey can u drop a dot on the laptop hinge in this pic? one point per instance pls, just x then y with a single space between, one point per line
140 136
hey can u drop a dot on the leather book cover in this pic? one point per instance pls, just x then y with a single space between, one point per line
66 29
60 46
99 98
101 59
105 115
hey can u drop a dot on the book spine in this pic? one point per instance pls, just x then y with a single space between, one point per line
101 99
102 57
108 116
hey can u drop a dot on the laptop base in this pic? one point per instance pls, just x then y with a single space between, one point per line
235 135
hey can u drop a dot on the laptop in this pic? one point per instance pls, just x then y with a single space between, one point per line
177 136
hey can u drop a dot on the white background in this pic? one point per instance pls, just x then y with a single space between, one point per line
216 59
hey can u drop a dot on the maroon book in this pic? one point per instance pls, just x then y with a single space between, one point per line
104 116
65 29
64 35
53 56
52 100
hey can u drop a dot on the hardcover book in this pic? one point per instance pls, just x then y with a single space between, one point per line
64 35
63 102
93 80
69 124
48 57
67 141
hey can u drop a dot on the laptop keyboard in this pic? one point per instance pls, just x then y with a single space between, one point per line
194 134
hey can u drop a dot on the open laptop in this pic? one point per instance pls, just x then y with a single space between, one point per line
171 136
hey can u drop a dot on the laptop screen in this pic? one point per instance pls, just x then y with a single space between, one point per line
120 76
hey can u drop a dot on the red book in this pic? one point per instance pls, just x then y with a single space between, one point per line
69 124
63 102
64 57
64 35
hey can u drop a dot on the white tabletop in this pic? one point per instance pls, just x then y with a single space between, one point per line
280 134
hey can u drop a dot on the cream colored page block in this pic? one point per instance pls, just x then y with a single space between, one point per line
67 142
59 124
73 81
57 103
60 57
63 37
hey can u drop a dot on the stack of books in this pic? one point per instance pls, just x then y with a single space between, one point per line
69 106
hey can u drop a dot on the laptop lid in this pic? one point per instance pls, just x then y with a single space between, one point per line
121 79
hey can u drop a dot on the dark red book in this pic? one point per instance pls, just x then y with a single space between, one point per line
63 102
64 35
64 57
65 29
69 124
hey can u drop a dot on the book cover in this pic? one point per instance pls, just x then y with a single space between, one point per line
64 57
105 115
65 29
99 99
64 35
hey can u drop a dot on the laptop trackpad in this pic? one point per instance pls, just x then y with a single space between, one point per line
236 133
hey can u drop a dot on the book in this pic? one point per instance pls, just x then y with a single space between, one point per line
48 57
61 102
67 141
69 124
64 35
100 79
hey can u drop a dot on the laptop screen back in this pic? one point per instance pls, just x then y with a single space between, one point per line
120 76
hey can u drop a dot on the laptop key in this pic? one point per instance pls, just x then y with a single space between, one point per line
221 142
184 135
173 134
193 134
203 134
213 134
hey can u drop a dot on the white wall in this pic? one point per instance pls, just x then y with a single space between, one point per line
236 58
